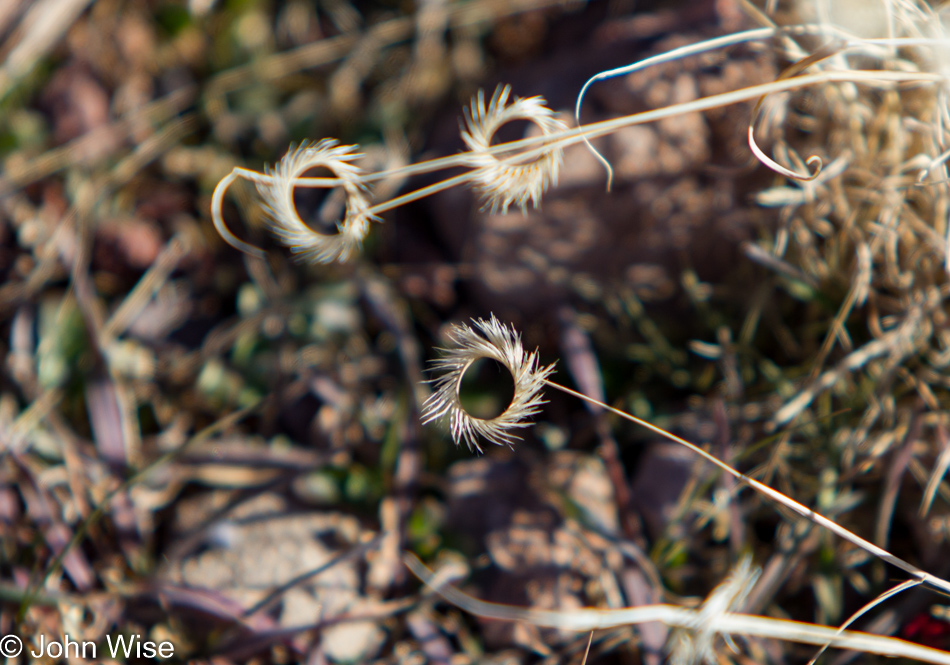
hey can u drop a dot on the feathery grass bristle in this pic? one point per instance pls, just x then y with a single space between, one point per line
486 339
500 182
278 194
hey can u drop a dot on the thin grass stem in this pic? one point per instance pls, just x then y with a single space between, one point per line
421 193
536 147
668 56
217 199
724 623
775 495
890 593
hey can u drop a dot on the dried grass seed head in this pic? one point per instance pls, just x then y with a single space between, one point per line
503 184
486 339
278 194
696 643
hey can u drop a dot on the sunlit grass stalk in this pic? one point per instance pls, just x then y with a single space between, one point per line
502 343
536 148
723 624
537 145
775 495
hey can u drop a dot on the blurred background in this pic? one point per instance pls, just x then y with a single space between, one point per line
225 452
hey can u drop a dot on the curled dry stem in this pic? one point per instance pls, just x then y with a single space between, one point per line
668 56
276 186
842 41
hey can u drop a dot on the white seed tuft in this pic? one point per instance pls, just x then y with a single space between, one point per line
278 193
487 339
500 182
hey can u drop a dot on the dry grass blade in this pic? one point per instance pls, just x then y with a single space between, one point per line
936 476
722 624
778 497
41 29
147 287
668 56
890 593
